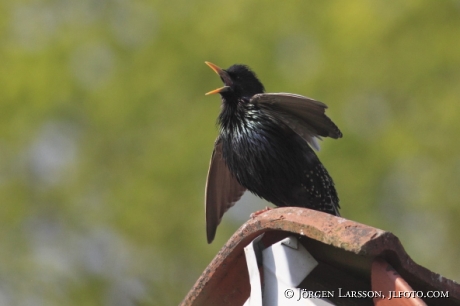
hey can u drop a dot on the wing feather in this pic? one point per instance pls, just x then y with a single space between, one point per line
222 191
303 115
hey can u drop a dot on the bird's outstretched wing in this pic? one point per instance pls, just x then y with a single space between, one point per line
303 115
222 191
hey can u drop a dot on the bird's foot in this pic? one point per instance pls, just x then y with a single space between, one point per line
256 213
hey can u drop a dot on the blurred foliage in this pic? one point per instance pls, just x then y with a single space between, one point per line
105 132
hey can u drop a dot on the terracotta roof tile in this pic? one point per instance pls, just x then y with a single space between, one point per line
345 250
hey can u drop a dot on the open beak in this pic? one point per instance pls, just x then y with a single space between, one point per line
223 75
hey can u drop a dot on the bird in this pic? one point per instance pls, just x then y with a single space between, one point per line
265 145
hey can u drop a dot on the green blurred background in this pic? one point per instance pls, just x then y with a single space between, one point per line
106 135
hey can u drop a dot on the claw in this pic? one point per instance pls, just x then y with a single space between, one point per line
256 213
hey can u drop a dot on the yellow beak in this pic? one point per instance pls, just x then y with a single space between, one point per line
223 75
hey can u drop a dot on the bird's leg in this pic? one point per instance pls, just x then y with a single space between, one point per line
256 213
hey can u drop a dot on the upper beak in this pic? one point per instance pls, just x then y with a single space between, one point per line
223 75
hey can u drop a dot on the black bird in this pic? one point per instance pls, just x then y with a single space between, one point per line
265 146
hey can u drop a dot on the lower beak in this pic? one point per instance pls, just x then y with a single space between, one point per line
218 90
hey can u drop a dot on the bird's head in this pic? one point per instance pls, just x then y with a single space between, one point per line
239 82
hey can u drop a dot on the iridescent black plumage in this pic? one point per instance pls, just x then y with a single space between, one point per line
264 147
